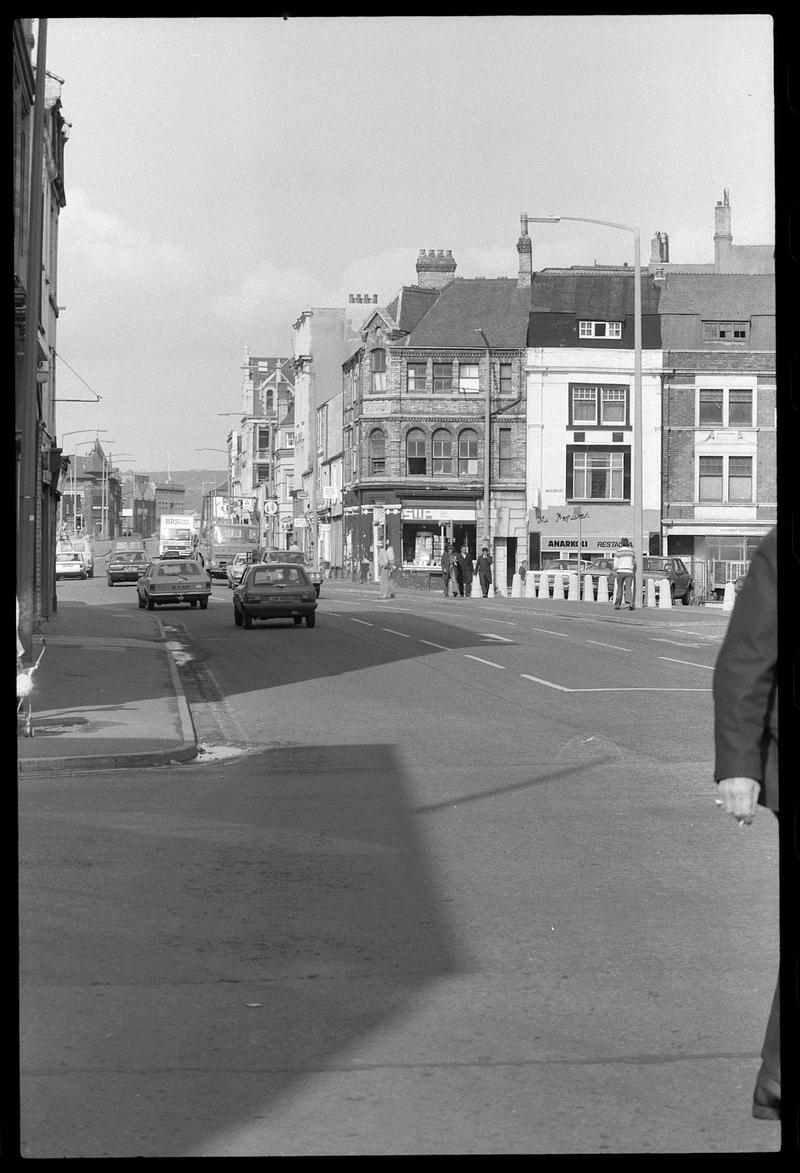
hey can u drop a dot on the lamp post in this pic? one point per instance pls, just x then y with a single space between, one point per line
487 427
636 495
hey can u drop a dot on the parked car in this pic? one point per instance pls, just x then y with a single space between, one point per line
235 569
275 590
70 564
671 568
125 566
173 580
301 559
567 566
598 567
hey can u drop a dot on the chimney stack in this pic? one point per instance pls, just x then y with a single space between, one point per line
435 271
722 225
525 250
659 249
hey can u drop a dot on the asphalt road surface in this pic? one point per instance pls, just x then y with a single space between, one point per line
447 877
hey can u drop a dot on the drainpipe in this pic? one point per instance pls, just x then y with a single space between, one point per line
487 439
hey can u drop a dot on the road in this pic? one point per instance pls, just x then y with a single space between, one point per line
447 877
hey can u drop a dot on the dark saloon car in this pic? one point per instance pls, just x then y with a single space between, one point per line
301 559
275 590
125 566
674 570
174 580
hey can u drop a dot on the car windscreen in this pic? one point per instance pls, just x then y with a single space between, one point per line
129 556
178 569
277 575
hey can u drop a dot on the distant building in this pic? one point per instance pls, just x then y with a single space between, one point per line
169 498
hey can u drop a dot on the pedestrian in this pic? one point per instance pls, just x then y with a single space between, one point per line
447 558
465 564
386 571
365 562
483 568
746 747
624 575
456 580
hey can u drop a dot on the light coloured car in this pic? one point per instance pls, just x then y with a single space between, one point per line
235 569
70 564
174 580
275 590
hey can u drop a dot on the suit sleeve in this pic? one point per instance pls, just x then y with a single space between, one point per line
746 670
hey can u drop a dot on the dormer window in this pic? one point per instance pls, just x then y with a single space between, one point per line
587 329
725 331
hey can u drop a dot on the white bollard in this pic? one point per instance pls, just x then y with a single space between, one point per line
602 588
530 585
664 593
490 592
729 598
588 588
573 594
543 591
516 587
650 587
558 585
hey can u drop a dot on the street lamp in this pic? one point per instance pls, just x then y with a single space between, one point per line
636 496
487 427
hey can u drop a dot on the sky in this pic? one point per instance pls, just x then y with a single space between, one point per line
223 175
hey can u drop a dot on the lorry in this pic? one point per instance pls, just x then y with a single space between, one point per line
177 534
229 526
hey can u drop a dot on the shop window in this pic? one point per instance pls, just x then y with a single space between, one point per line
416 459
377 453
442 453
468 453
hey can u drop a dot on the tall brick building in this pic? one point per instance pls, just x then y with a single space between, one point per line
416 394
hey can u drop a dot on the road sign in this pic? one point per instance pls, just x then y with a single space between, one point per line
271 507
330 493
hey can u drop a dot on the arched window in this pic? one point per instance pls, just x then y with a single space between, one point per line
378 357
442 452
468 453
377 453
416 460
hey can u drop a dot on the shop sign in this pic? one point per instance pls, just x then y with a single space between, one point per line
444 513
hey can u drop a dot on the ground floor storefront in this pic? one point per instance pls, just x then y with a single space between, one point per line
716 553
559 532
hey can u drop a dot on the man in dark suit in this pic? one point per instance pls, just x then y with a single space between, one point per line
746 746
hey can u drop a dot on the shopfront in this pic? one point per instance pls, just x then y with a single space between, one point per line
426 527
558 533
717 554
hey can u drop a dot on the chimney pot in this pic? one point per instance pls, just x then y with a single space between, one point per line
375 298
350 297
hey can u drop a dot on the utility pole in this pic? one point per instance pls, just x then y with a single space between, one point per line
313 445
29 501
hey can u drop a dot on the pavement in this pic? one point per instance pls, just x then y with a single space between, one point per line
104 697
92 710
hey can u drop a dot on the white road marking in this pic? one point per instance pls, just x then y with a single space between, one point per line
600 644
364 621
391 631
546 683
480 661
441 647
547 631
689 663
658 639
488 635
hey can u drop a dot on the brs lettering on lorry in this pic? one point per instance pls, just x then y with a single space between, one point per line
176 534
229 526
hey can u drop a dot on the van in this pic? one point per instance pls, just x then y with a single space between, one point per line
78 544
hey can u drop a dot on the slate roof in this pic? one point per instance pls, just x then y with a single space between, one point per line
594 295
493 304
718 296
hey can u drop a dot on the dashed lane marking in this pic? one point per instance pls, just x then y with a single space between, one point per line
547 631
489 635
430 644
562 688
467 656
362 621
689 663
391 631
659 639
600 644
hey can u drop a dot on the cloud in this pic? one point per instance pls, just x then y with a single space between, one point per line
105 245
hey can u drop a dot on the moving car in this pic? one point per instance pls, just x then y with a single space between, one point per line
674 570
301 559
174 580
235 569
70 564
130 542
125 566
82 545
275 590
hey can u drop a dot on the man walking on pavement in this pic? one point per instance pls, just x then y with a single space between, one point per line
624 574
483 569
465 564
448 556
